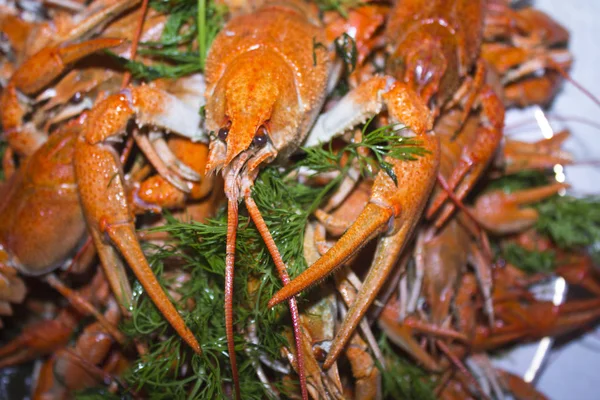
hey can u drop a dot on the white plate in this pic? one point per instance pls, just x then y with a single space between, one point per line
572 370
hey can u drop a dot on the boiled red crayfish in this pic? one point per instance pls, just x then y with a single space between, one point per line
434 47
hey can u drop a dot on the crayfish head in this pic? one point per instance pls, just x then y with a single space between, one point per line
252 108
427 60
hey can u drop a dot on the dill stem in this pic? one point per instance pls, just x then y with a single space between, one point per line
202 32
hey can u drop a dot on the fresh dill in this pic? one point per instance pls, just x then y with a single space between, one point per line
570 222
190 28
202 32
380 143
345 47
402 379
530 261
520 180
170 370
211 17
341 6
316 45
101 393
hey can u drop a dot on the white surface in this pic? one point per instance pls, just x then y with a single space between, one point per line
573 370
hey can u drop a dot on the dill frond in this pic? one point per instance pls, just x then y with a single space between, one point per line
381 142
170 369
101 393
345 48
570 222
187 35
521 180
341 6
401 378
530 261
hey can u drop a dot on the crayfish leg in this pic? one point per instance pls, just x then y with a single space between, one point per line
503 213
475 158
403 335
31 77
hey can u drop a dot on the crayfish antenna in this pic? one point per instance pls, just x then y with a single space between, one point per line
127 76
232 222
578 85
85 306
135 41
283 275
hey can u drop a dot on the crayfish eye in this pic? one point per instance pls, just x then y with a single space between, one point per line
223 132
77 97
261 137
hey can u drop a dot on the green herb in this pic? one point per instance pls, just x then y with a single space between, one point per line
316 45
162 372
101 393
341 6
530 261
345 47
191 24
521 180
570 222
200 251
202 31
401 379
381 142
342 88
211 18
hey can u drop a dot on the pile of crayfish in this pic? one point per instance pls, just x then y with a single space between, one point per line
150 147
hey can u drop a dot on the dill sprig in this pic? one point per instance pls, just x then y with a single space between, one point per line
401 378
530 261
341 6
345 48
570 222
211 17
520 180
170 369
101 393
190 28
381 142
